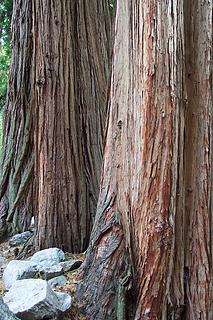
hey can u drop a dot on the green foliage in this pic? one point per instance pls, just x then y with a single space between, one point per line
6 7
112 7
5 49
5 54
4 66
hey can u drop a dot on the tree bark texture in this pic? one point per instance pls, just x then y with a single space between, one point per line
16 182
198 159
150 253
72 59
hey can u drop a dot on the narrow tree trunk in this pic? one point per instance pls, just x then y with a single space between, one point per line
17 156
150 254
72 54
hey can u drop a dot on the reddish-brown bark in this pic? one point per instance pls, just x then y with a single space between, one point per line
72 55
198 160
156 181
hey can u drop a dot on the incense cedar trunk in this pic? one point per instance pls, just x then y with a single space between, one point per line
150 253
72 48
16 182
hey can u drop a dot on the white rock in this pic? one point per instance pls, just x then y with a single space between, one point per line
64 300
48 257
70 265
3 263
50 272
33 299
58 269
57 281
17 270
5 313
20 238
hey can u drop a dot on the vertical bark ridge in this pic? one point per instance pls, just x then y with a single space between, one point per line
16 182
198 159
72 68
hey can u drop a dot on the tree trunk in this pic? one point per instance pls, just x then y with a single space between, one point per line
72 58
17 156
198 159
150 254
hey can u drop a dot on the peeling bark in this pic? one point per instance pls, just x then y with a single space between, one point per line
17 157
72 59
156 179
198 159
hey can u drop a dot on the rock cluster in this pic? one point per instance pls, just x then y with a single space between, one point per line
30 282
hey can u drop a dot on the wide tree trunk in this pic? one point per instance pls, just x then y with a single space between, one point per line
150 254
72 57
17 157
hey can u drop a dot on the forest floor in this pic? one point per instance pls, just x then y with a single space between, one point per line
11 254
